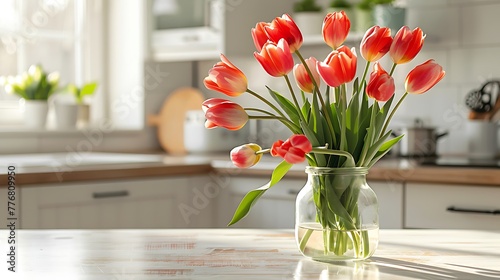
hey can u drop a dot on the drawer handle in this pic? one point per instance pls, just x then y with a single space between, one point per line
463 210
109 194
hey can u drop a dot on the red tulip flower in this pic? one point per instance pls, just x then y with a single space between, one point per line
276 59
406 45
376 43
293 150
285 28
259 35
423 77
304 81
226 78
381 86
224 113
335 29
245 156
339 67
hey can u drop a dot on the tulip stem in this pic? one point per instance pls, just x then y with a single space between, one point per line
266 102
290 125
364 75
292 93
318 92
392 69
393 112
265 151
322 150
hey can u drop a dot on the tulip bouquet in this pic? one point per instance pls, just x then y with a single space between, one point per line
330 128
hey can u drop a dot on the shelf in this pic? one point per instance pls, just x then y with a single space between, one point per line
317 40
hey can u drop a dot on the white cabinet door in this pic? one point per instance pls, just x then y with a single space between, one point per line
390 203
443 206
151 203
275 209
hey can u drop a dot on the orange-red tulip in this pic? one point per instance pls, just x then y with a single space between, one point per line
335 29
376 43
293 150
259 35
339 67
304 81
406 45
276 59
226 78
245 156
224 113
381 86
423 77
285 28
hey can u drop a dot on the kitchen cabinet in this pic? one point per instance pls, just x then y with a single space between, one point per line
276 208
220 26
442 206
390 203
141 203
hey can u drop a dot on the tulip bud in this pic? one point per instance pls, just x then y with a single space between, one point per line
276 59
245 156
335 29
226 78
285 28
304 81
339 67
423 77
293 150
259 35
224 113
406 45
381 86
376 43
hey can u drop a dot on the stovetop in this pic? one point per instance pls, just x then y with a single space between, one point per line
459 162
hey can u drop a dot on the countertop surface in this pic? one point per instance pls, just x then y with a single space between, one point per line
68 167
244 254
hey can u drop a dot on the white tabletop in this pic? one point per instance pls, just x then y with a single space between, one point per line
243 254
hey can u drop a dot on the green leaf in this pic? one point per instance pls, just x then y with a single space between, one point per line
317 118
306 109
309 133
376 147
88 89
384 149
252 196
287 105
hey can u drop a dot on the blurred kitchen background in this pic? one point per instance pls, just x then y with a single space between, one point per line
117 44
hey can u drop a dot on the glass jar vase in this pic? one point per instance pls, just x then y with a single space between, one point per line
336 215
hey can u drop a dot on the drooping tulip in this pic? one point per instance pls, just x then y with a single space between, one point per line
293 150
245 156
259 35
381 85
406 44
339 67
226 78
285 28
304 81
375 43
335 29
276 59
224 113
423 77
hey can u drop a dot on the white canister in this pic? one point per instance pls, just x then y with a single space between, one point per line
482 139
198 139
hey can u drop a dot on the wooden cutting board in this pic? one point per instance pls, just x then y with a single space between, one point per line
170 120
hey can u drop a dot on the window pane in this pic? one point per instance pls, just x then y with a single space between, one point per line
52 55
9 15
8 67
57 15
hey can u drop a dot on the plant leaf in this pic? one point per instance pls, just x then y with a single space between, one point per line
88 89
252 196
287 106
384 149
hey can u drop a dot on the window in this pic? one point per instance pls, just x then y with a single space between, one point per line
60 35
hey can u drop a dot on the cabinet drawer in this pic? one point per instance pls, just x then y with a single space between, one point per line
452 207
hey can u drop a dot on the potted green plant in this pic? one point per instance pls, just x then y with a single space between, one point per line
80 93
308 16
34 87
387 13
364 16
